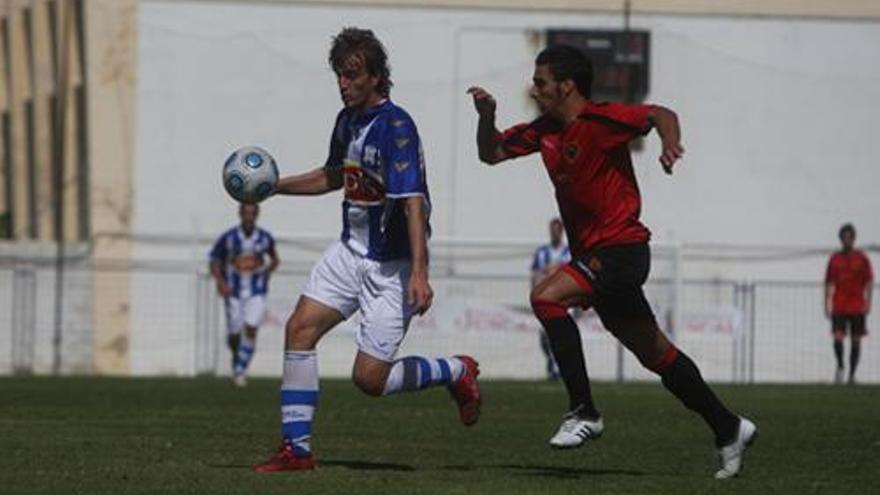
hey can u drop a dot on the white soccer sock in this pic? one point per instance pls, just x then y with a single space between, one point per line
417 373
299 397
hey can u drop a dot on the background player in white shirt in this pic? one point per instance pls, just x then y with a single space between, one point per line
238 264
380 263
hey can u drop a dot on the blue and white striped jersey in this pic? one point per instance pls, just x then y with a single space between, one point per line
380 153
547 255
242 260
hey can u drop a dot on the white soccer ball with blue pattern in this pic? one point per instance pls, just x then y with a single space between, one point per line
250 174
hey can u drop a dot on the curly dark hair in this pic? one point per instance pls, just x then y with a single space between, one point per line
354 41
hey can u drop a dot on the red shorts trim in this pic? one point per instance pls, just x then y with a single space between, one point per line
546 309
665 360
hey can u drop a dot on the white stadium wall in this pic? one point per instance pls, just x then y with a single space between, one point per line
779 119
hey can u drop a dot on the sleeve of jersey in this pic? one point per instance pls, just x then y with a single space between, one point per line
270 241
869 272
337 144
404 164
620 123
829 271
520 140
218 252
536 263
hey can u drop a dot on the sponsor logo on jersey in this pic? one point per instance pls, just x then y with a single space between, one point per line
247 262
362 187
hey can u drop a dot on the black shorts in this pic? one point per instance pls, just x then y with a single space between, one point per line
615 275
855 324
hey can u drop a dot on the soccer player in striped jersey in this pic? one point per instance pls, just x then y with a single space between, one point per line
547 259
380 263
241 271
584 146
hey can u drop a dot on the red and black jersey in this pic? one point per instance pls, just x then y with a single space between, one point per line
590 166
850 273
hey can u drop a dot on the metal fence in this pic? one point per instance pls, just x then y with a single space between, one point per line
741 332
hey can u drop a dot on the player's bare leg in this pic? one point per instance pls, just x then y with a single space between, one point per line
310 321
550 301
839 335
682 378
233 340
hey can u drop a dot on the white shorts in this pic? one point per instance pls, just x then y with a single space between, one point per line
244 311
347 281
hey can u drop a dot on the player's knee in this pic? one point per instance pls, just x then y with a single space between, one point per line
371 385
659 361
546 308
300 336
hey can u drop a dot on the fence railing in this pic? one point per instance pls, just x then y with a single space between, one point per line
740 332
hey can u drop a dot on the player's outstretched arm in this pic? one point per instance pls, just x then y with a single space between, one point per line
488 137
320 180
666 122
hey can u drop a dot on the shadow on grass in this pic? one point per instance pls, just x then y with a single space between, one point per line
547 471
366 466
356 465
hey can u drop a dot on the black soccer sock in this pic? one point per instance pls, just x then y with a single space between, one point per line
855 350
565 341
838 353
683 379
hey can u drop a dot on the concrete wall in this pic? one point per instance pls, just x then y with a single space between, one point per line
777 115
778 128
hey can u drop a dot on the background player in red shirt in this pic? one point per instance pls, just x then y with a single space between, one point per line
584 146
848 284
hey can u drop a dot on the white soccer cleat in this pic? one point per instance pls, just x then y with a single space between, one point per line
576 430
731 456
239 381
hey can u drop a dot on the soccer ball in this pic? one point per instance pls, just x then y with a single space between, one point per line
250 174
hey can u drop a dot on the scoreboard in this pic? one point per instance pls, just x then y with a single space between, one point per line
621 60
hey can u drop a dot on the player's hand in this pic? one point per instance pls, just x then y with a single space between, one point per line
419 293
224 289
672 152
484 102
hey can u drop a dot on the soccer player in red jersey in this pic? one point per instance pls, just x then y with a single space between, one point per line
584 146
848 284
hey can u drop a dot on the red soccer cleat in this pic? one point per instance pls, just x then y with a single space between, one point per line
285 460
466 391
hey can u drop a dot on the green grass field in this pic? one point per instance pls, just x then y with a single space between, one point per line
126 436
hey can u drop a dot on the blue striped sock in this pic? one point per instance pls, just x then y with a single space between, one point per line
299 397
243 358
418 373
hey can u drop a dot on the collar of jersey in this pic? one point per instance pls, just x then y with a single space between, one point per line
371 112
